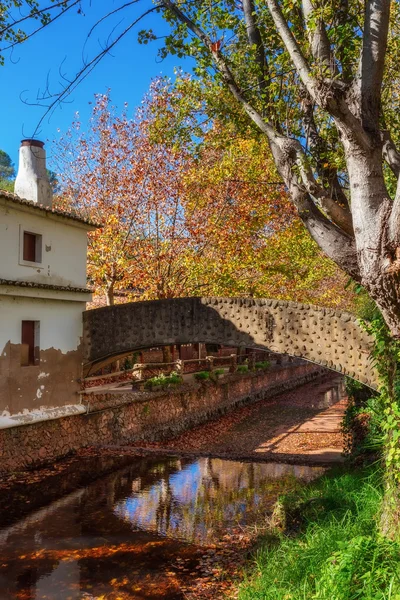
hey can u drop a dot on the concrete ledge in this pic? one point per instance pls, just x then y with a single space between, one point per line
37 416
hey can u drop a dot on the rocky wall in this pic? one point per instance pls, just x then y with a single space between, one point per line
123 417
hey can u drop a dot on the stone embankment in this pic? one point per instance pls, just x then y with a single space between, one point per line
120 417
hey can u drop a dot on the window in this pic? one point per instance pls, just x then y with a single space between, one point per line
30 343
32 247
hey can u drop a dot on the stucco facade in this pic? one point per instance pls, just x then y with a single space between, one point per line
42 296
63 260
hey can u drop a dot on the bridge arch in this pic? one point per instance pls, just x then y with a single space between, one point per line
328 337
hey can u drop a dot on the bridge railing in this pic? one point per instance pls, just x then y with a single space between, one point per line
140 372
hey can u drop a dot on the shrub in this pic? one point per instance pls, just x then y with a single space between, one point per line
264 364
163 381
219 371
242 368
214 375
202 375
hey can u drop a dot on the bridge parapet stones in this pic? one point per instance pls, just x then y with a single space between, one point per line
324 336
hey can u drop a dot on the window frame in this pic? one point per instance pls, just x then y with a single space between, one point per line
37 264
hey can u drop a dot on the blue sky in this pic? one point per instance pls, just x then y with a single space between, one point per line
127 72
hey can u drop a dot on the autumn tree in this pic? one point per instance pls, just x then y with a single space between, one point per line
309 77
181 219
123 174
257 244
132 186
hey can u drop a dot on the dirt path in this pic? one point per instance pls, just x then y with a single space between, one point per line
302 423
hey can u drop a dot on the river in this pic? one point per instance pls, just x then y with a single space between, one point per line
139 532
154 527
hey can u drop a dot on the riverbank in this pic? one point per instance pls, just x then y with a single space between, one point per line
323 543
126 416
300 426
149 506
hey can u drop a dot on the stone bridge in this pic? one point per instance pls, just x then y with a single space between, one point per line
328 337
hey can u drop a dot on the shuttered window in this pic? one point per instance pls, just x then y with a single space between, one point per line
29 343
32 247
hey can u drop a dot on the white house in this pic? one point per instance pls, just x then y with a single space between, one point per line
42 296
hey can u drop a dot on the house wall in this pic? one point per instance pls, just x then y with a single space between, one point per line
64 245
52 382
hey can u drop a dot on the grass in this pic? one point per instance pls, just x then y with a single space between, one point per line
163 381
219 371
331 548
202 375
264 364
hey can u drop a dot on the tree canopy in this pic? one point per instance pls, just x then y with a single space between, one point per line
181 219
318 81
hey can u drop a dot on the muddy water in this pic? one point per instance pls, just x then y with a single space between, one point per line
123 536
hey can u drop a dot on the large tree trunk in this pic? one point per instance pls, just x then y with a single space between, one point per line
376 252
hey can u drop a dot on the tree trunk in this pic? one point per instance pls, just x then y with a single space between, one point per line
376 253
110 295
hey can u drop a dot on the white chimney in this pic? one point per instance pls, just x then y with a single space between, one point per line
32 182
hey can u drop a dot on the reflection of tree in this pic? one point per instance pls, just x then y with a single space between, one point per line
206 496
79 540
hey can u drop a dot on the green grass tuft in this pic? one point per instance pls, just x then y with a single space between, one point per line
163 381
202 375
331 549
263 364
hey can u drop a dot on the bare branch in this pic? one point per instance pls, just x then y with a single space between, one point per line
88 68
109 14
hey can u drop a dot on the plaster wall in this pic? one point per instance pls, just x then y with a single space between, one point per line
53 381
64 245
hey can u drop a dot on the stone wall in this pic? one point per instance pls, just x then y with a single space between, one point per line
122 417
327 337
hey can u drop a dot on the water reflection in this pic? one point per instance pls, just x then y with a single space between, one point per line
121 536
199 501
328 397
